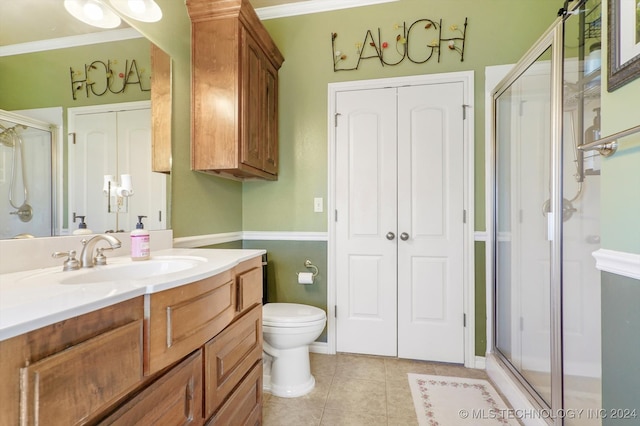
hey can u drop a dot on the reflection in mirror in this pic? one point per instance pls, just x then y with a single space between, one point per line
27 154
109 168
39 80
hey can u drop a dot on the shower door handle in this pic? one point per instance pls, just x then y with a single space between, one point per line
404 236
390 236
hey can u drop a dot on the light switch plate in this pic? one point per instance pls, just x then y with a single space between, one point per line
317 205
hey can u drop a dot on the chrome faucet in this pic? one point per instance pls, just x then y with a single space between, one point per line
86 256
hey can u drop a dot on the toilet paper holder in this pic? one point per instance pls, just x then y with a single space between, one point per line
309 265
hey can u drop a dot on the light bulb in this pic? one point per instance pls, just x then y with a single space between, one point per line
93 11
137 6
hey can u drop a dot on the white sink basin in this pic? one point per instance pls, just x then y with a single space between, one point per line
132 271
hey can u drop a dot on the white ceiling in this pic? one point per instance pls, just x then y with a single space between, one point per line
25 21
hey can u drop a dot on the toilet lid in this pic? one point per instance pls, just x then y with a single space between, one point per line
291 313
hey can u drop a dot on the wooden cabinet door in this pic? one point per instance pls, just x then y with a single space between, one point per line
244 405
174 399
270 143
253 103
249 288
183 318
229 356
72 386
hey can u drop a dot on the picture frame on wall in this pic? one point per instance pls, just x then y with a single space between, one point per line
623 43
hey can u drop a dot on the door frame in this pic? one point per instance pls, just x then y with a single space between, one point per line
467 79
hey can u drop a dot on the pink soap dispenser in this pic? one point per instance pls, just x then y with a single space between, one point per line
140 249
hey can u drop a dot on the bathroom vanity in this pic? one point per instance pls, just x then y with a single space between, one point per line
182 347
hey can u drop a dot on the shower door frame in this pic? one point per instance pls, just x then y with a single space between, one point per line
553 39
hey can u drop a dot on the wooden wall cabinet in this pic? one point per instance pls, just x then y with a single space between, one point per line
234 111
189 355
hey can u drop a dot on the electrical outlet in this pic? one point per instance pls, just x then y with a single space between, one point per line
317 205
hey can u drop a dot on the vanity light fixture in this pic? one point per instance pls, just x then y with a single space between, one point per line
92 12
100 13
140 10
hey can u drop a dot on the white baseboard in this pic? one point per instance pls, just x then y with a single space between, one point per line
480 363
319 348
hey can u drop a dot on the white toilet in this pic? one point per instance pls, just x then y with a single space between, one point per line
287 330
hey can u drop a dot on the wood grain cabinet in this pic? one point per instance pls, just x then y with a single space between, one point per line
183 318
69 388
72 371
230 356
174 399
234 95
160 110
188 355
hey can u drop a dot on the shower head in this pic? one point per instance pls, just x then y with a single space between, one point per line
8 135
7 138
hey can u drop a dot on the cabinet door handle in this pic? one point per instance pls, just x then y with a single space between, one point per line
189 400
390 236
404 236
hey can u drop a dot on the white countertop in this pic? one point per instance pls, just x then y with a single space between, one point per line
39 297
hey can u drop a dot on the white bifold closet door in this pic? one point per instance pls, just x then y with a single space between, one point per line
399 228
115 143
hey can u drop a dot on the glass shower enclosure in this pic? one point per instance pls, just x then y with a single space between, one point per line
546 220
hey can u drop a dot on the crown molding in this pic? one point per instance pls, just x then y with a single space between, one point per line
312 6
71 41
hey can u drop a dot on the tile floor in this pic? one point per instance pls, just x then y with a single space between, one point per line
357 390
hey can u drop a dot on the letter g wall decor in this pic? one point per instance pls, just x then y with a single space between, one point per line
419 42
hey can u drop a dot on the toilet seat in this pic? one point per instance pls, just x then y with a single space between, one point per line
291 315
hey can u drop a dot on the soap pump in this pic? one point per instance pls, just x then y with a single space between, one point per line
82 227
140 249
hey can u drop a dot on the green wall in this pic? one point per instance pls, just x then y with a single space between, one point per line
620 348
498 34
620 227
285 259
42 79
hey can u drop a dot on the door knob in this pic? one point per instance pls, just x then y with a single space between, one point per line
404 236
390 235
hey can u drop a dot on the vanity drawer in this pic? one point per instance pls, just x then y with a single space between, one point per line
71 386
185 317
229 356
249 288
174 399
244 406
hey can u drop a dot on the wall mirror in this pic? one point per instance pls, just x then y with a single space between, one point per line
41 160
